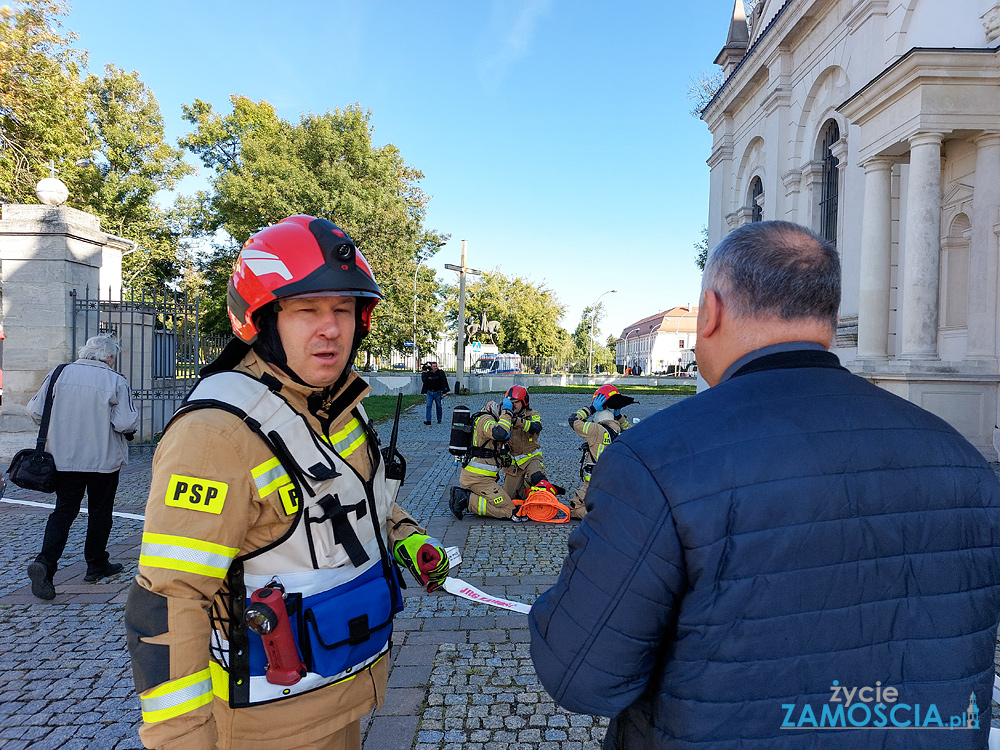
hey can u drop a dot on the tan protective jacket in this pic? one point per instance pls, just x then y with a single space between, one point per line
598 436
523 445
187 549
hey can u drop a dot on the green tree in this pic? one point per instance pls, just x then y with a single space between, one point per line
104 135
130 163
701 249
583 344
42 99
266 168
608 352
527 313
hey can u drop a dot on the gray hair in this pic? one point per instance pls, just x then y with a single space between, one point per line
100 347
776 268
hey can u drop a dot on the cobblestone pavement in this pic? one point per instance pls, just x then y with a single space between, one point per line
461 673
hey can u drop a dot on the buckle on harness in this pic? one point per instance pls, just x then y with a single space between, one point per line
343 532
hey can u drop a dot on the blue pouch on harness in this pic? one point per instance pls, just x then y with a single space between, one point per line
349 624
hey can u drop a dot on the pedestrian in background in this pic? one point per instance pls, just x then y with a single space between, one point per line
92 418
787 541
435 385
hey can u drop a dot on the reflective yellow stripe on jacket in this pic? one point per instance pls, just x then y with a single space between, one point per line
185 554
348 439
269 476
486 470
171 699
522 460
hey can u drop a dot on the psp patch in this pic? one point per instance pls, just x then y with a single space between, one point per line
289 499
196 494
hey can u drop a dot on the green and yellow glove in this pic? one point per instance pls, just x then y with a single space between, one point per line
425 558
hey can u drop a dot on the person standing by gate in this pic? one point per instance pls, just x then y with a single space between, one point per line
435 386
92 418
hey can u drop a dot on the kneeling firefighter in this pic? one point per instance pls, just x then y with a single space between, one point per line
598 424
262 612
527 468
487 453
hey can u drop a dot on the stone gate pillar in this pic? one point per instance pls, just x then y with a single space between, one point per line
45 252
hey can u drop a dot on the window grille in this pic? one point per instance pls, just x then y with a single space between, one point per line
756 193
829 194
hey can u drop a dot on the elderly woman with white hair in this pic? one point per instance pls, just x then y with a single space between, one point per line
91 421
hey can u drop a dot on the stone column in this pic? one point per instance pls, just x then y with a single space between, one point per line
876 246
983 258
45 252
922 249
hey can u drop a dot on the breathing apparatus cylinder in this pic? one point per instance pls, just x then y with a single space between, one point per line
461 431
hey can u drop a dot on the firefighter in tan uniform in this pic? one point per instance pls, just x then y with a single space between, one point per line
262 612
598 424
527 468
489 453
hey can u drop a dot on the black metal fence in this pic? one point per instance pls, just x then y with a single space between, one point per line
162 347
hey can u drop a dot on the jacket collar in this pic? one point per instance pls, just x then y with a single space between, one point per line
783 356
302 397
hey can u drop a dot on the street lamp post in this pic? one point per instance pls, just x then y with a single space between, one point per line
593 316
415 313
415 270
625 347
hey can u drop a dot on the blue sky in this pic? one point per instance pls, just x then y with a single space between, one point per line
554 135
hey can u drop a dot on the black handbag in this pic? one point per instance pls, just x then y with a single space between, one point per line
33 468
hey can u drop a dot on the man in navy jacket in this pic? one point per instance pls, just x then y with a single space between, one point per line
794 558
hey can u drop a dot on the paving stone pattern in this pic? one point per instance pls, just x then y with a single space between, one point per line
461 675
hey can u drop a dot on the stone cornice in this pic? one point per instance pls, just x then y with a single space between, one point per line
916 68
792 180
779 97
863 11
720 154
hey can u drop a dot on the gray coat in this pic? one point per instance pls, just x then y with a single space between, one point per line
91 410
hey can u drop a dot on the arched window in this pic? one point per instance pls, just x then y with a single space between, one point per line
756 200
830 187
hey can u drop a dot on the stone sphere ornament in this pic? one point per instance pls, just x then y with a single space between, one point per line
52 191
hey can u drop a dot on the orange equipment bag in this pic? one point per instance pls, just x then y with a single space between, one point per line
542 505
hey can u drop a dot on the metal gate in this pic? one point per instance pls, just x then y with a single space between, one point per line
162 348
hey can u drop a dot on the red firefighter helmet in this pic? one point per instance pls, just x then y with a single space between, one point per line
606 390
298 256
518 392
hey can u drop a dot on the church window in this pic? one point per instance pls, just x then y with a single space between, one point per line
830 186
756 200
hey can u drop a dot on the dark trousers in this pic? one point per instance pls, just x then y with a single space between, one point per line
433 397
70 486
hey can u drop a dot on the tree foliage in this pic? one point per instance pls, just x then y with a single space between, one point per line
130 163
104 136
701 249
528 313
42 99
266 168
702 89
583 344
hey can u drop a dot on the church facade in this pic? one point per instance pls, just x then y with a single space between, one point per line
877 124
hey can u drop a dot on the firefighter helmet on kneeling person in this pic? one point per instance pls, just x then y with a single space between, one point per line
518 393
